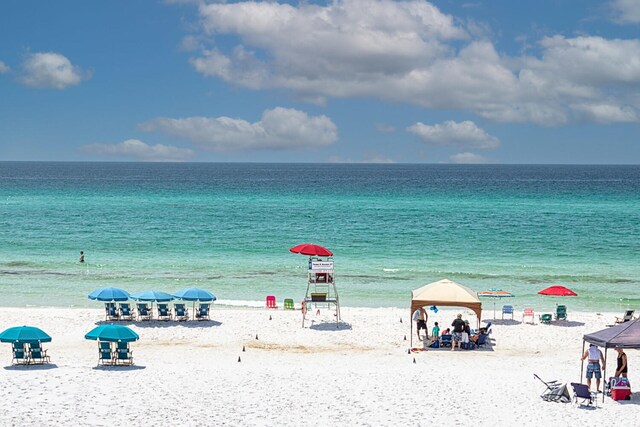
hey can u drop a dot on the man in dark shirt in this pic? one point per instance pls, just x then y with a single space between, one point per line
458 328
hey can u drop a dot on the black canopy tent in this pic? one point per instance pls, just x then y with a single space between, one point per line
624 335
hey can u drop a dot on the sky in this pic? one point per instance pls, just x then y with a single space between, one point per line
343 81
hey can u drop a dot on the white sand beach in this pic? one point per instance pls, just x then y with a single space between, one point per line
359 374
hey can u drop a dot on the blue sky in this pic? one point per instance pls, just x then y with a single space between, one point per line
535 81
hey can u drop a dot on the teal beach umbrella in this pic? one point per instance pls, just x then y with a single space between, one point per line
194 294
112 333
24 334
150 296
109 295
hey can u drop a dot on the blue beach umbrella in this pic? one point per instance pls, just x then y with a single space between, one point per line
109 294
194 294
24 334
151 296
112 333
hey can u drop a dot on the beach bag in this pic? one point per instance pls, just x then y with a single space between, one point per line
436 344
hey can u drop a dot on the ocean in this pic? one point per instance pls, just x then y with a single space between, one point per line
227 227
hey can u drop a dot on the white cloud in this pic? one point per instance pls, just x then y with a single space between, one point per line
469 158
411 52
462 134
138 150
280 128
4 68
626 11
51 70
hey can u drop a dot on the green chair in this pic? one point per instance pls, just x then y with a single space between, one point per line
163 312
20 357
124 356
37 355
546 318
180 312
288 304
561 312
105 355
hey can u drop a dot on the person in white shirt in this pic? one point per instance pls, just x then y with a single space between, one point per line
420 316
594 356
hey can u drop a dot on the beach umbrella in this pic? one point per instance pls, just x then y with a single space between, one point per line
24 334
112 333
194 294
109 294
151 296
558 291
311 249
495 294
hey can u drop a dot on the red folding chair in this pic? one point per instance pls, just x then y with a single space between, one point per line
271 302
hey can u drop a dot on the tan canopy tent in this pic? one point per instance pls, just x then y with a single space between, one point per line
445 293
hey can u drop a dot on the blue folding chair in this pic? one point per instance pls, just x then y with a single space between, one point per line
507 309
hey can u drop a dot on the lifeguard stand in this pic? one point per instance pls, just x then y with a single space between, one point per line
321 286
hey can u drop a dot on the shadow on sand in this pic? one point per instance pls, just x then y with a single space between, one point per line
330 326
43 367
120 368
505 322
163 323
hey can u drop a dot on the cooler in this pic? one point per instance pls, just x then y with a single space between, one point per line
620 389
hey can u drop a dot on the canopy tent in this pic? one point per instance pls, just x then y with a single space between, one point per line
624 335
445 293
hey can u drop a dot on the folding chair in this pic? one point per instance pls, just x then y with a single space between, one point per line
271 302
554 391
528 312
581 391
288 304
507 309
561 312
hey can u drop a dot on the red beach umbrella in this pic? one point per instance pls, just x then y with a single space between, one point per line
311 250
558 291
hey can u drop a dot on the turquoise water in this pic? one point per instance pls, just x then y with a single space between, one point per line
392 228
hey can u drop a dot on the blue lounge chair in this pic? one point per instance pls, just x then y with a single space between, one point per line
105 355
203 312
163 312
20 356
144 312
507 309
37 355
628 316
180 312
125 311
482 340
124 356
111 311
561 312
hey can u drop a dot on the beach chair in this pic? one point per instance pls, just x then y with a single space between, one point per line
125 311
581 392
288 304
111 311
482 340
105 355
180 312
271 302
628 316
487 330
507 309
554 391
528 312
163 312
445 340
561 312
37 355
124 355
144 313
20 356
546 318
202 313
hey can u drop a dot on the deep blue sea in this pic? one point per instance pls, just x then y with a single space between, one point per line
392 228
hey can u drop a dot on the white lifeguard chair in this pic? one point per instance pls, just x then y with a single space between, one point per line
321 287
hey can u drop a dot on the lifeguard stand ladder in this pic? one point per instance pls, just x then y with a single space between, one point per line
321 287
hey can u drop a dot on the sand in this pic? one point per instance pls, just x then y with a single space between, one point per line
358 374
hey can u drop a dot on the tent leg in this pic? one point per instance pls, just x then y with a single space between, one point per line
581 364
411 320
604 372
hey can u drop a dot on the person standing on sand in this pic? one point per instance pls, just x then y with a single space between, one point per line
594 355
458 328
621 369
420 316
81 256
